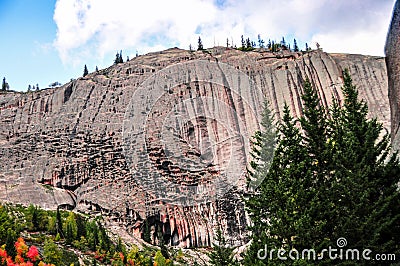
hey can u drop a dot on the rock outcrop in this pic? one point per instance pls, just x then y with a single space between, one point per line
392 50
68 145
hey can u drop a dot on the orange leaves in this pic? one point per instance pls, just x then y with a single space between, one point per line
26 256
20 246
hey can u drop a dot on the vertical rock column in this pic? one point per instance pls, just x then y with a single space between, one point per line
392 51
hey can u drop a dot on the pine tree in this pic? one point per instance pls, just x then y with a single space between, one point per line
283 42
248 44
314 124
118 58
333 175
199 45
10 240
71 229
260 41
263 146
4 85
316 135
146 232
243 42
85 71
274 46
80 226
307 48
368 205
59 222
295 47
276 209
92 235
35 217
222 254
104 240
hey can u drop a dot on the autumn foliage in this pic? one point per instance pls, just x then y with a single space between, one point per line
26 256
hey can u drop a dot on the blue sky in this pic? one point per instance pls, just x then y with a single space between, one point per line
26 52
44 41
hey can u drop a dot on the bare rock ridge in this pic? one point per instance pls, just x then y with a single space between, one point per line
392 50
64 146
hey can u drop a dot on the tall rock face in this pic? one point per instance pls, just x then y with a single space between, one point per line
392 50
68 145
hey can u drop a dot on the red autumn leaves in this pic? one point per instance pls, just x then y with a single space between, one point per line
26 256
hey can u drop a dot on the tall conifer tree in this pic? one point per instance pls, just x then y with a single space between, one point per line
333 175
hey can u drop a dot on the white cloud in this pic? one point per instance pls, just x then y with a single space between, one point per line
99 27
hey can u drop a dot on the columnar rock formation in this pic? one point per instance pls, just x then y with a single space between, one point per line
392 51
65 146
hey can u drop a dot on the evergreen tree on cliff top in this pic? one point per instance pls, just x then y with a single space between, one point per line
199 45
85 71
4 85
118 58
333 176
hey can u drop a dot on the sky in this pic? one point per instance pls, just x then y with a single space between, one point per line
46 41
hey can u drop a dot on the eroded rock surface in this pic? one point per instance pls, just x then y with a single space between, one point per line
392 50
64 146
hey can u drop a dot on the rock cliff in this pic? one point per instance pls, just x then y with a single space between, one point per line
392 50
118 142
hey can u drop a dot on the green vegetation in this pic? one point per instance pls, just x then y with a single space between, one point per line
33 87
332 176
222 254
200 45
63 234
86 71
118 58
260 41
52 253
71 229
4 85
295 47
248 45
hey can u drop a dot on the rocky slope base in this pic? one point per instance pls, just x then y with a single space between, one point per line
65 146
